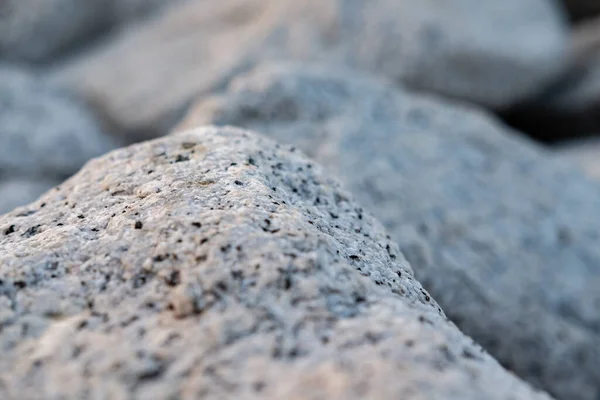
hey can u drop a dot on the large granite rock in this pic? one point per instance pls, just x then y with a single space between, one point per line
503 236
43 130
217 264
493 53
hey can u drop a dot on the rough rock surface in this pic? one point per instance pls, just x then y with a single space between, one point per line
489 52
43 131
217 264
17 192
503 236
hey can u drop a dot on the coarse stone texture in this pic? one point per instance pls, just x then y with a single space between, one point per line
494 53
43 130
503 235
18 192
217 264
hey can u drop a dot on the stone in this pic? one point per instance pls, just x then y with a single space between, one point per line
501 233
482 51
569 108
218 264
128 11
36 31
18 192
39 30
585 153
44 131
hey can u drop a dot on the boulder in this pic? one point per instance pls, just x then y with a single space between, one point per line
579 91
39 31
44 132
18 192
218 264
482 51
500 232
127 11
569 108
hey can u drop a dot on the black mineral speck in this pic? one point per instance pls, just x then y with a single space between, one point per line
34 230
173 279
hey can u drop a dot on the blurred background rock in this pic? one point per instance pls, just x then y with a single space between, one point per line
135 66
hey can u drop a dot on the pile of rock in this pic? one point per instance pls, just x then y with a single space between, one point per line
215 262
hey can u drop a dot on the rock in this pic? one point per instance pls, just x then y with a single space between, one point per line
18 192
487 52
581 92
44 131
36 30
585 153
217 264
569 108
126 11
503 236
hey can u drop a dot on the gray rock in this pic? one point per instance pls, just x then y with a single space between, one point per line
38 30
217 264
503 235
580 91
127 11
569 108
585 153
41 30
18 192
43 131
494 53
